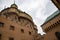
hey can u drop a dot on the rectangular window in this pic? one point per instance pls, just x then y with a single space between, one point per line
29 33
22 30
11 27
1 24
11 38
19 19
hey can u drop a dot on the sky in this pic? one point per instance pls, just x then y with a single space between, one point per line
39 10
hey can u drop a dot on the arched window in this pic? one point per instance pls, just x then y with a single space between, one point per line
57 35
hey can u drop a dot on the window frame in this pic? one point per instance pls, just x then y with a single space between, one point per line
11 38
22 30
1 24
12 27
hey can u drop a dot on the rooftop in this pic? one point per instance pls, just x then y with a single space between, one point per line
52 16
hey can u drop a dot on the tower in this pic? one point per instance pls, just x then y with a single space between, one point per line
16 24
57 3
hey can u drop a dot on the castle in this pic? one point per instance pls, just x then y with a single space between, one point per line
18 25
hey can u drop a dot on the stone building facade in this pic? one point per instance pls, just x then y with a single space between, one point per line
52 27
16 25
52 24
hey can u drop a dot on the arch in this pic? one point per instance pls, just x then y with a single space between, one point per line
57 35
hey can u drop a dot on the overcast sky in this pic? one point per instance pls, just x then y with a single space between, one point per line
38 9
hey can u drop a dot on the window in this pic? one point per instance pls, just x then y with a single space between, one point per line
0 36
57 35
53 25
29 33
48 29
59 21
6 15
11 38
19 19
22 30
1 24
11 27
